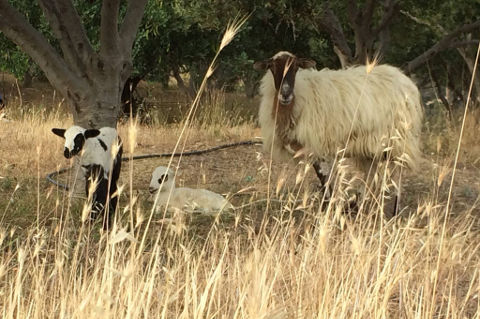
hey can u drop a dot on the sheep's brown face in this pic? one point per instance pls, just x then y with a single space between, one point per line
284 67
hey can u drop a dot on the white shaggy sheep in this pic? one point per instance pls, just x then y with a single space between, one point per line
363 108
95 150
187 199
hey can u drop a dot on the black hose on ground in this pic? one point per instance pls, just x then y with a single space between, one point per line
51 176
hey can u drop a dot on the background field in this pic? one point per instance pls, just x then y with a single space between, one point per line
279 256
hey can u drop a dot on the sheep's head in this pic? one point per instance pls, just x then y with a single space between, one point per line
75 138
161 175
284 67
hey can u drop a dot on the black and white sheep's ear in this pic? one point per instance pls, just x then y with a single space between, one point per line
91 133
306 63
59 131
262 65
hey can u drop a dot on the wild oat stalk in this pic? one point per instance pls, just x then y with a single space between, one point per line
454 169
232 29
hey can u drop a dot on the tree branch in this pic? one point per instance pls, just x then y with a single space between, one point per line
368 12
68 18
14 26
382 31
353 13
441 45
465 43
131 22
391 8
329 23
109 38
52 14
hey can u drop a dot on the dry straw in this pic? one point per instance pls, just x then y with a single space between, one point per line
295 259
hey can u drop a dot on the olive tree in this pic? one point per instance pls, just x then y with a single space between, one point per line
90 77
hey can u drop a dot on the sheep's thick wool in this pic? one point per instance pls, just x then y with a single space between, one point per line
95 150
184 198
374 111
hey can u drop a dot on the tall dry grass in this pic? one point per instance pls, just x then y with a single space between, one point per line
292 258
297 261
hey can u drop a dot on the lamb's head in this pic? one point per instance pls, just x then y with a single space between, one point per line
75 137
161 175
284 66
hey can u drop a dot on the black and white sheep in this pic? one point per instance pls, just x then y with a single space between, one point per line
184 198
370 111
94 146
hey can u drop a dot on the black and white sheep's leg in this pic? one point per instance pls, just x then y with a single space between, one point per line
117 165
323 170
95 174
398 196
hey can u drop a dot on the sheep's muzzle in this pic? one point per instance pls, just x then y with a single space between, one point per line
67 153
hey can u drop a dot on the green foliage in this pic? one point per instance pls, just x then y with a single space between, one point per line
181 36
12 59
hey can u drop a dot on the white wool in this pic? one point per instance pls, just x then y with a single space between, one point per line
70 135
93 152
283 53
384 106
187 199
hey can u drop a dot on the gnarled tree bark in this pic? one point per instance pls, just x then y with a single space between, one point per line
371 39
448 41
90 81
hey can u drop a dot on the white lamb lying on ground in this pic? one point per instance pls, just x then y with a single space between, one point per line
186 199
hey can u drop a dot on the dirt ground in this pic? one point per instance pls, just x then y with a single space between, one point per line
241 173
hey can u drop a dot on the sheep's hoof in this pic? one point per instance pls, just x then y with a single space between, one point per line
96 210
351 206
396 206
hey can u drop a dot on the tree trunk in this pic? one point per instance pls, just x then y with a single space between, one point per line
28 76
181 84
470 62
99 104
129 103
251 87
91 82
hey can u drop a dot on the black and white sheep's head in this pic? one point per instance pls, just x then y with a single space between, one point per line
284 66
75 138
161 175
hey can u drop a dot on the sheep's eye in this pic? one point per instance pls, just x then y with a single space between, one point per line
163 178
78 142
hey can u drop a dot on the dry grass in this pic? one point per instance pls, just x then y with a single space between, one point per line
285 256
292 260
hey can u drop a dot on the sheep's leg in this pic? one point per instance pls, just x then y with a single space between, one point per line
398 196
90 178
323 174
99 196
373 186
367 167
117 165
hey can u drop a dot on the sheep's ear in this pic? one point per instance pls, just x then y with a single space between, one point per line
91 133
59 131
306 63
262 65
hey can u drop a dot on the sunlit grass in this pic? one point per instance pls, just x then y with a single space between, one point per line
292 258
289 264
